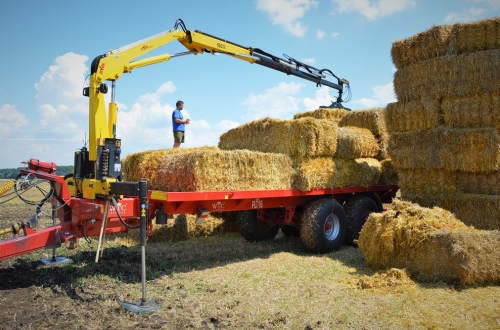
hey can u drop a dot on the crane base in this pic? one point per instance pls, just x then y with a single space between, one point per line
135 307
55 261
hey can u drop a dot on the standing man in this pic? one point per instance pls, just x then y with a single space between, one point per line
178 124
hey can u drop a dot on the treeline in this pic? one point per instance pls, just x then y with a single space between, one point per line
12 173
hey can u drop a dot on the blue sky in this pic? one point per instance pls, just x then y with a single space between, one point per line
47 48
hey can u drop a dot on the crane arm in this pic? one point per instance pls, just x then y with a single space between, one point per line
101 161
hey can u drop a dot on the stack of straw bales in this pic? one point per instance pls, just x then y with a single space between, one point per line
431 244
328 147
444 129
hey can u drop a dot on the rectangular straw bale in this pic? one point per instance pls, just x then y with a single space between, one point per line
211 169
428 187
355 142
328 172
478 210
383 143
389 174
431 244
422 46
459 75
372 119
477 110
418 115
333 114
468 150
456 39
479 183
130 162
144 164
413 150
429 182
304 137
474 36
319 172
425 200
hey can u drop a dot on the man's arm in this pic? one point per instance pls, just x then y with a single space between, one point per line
182 121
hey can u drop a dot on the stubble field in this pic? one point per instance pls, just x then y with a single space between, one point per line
224 282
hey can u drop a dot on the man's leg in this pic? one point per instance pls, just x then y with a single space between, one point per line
178 138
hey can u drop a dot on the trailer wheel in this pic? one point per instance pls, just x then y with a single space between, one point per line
357 210
252 229
323 226
290 231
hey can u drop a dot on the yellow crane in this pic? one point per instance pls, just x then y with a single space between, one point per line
97 166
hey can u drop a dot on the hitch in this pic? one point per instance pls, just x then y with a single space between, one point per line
26 226
14 229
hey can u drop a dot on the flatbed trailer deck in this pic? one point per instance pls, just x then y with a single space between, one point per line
260 213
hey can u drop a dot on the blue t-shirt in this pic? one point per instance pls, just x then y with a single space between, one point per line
176 126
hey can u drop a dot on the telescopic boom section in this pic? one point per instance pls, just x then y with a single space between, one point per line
198 41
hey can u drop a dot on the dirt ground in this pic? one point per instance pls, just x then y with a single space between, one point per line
224 282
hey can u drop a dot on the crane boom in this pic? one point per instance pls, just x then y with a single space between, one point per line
99 165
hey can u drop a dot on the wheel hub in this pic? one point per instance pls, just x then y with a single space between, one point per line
332 227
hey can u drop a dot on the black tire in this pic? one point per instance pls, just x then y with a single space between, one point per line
357 210
290 231
252 229
323 226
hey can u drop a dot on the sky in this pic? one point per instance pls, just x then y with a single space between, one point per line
47 48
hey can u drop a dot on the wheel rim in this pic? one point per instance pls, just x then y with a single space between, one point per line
332 227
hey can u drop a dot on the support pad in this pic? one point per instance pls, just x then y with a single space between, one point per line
135 307
55 261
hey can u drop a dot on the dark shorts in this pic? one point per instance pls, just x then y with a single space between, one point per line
179 136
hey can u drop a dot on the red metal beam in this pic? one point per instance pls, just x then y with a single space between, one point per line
35 240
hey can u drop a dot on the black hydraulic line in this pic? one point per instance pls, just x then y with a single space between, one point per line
115 204
272 64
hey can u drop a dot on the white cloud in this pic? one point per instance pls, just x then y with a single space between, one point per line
467 16
59 92
322 98
63 124
287 13
226 125
495 4
373 9
63 110
165 88
64 79
309 60
335 34
383 94
276 102
320 34
11 120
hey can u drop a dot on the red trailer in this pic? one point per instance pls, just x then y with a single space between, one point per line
323 218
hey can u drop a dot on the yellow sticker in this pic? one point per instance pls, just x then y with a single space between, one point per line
159 195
